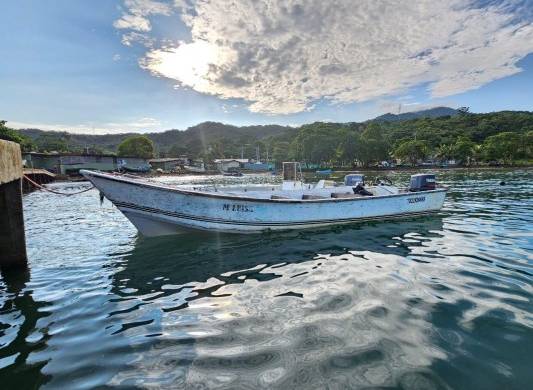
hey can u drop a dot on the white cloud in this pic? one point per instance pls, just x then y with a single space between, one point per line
133 22
283 55
136 16
147 7
116 57
134 37
137 125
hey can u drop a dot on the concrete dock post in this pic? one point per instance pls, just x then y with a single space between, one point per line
12 239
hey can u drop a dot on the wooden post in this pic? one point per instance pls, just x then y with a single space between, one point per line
12 239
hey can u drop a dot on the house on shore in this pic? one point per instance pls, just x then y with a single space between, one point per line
229 164
169 164
70 164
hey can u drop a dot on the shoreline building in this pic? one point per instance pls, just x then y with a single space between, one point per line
169 163
69 164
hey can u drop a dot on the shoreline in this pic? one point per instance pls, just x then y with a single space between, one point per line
73 179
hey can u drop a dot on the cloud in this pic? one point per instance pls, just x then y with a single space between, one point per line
133 22
147 7
282 56
133 37
138 11
145 124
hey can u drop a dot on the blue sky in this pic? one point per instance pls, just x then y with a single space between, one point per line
146 65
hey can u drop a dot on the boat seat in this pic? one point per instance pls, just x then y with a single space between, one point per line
311 196
338 195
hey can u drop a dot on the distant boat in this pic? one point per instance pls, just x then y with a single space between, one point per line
133 166
160 209
324 172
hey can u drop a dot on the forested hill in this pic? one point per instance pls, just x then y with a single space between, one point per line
197 138
464 136
193 141
434 112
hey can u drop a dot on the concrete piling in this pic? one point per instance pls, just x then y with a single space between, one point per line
12 238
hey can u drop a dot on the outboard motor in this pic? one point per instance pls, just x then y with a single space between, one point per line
422 182
354 178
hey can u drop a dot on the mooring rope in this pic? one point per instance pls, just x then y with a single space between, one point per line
56 192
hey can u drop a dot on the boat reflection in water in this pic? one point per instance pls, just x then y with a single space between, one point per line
200 256
279 309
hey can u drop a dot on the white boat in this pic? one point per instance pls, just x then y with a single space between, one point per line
160 209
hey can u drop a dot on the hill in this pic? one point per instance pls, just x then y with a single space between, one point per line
193 141
430 133
197 139
434 112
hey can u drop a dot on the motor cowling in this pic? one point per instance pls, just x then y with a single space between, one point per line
354 178
422 182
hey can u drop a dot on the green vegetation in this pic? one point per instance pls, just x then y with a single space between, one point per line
504 137
504 147
8 134
412 151
136 146
501 137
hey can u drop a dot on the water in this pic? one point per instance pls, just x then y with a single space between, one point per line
437 302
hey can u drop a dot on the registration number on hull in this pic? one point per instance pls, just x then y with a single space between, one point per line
238 208
418 199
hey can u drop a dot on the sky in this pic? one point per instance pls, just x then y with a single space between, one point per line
111 66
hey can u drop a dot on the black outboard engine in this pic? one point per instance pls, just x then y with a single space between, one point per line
422 182
359 189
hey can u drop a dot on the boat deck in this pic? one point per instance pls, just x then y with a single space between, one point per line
307 192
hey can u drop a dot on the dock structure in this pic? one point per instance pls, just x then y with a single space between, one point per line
12 238
40 176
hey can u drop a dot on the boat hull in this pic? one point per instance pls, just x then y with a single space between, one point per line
161 211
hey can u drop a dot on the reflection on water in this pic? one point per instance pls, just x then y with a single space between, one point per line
436 302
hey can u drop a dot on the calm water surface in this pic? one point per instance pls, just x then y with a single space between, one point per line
436 302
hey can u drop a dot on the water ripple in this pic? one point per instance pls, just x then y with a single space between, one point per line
429 302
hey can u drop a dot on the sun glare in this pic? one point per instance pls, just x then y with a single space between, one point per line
188 63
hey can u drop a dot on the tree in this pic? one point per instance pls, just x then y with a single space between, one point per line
412 151
8 134
136 146
463 150
504 146
51 143
372 146
348 147
463 110
444 151
176 150
316 143
528 144
280 152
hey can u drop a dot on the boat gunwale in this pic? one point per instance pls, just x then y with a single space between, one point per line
122 179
